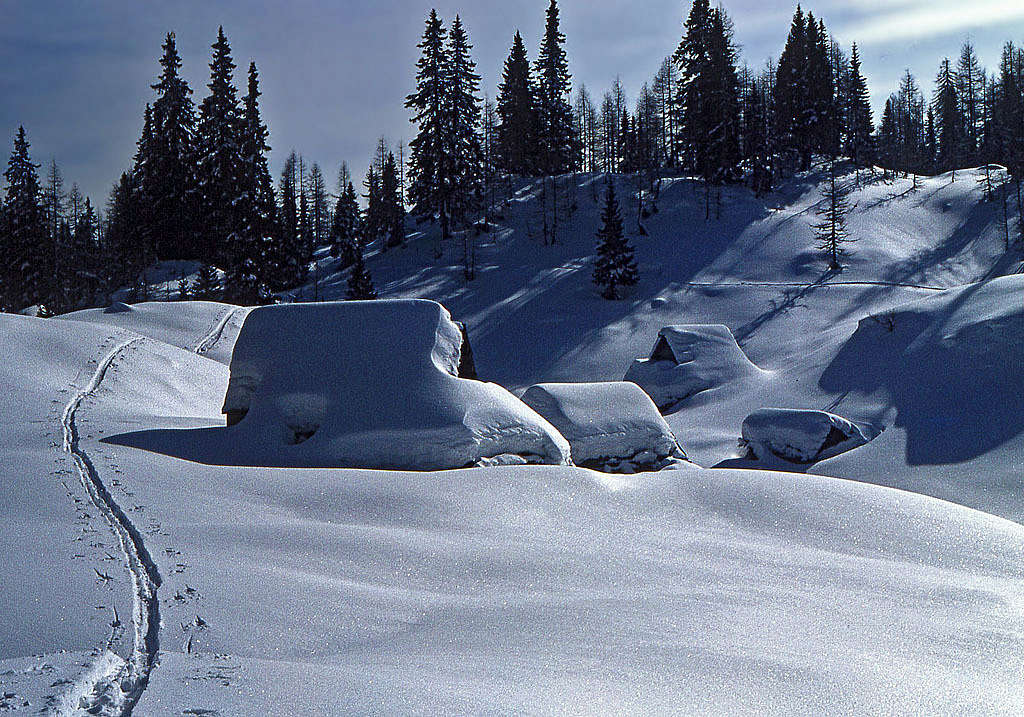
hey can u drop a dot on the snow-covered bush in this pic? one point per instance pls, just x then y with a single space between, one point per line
610 426
373 385
799 436
689 359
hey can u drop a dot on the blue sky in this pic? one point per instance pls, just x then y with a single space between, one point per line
335 74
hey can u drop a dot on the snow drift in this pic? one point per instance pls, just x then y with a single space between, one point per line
372 385
689 359
611 426
950 364
799 436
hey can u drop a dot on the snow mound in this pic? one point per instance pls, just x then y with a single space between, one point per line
689 359
371 385
799 436
612 426
205 327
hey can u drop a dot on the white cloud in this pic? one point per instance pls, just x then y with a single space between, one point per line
916 19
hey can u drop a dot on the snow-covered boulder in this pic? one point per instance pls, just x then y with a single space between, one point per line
611 426
372 385
799 436
689 359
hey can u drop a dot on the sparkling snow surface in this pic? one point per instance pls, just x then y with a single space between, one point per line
551 589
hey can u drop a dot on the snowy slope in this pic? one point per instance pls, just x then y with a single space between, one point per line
535 317
205 327
542 589
554 589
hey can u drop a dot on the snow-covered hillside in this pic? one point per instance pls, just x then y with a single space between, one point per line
236 590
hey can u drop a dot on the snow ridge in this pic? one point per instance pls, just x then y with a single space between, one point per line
113 685
211 339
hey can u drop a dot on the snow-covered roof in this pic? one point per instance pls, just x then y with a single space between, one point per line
800 436
613 420
688 359
373 385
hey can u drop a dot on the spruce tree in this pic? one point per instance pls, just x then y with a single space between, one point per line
27 250
722 107
345 228
555 136
806 111
819 121
692 59
251 260
207 284
517 112
948 125
126 244
221 166
464 156
859 127
615 266
168 181
360 284
792 91
428 190
886 144
64 291
374 219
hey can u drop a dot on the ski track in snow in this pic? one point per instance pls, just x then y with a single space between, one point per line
112 686
804 285
210 340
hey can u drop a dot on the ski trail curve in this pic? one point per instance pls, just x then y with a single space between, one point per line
113 685
211 339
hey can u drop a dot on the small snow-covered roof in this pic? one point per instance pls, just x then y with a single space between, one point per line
604 420
798 435
688 359
689 342
373 385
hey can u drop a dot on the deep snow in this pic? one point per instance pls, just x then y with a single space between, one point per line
556 589
611 426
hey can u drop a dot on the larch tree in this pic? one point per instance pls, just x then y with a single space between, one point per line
831 231
970 80
391 209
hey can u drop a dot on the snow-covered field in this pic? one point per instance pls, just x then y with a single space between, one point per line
889 583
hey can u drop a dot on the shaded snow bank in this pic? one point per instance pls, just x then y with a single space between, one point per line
951 366
610 426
